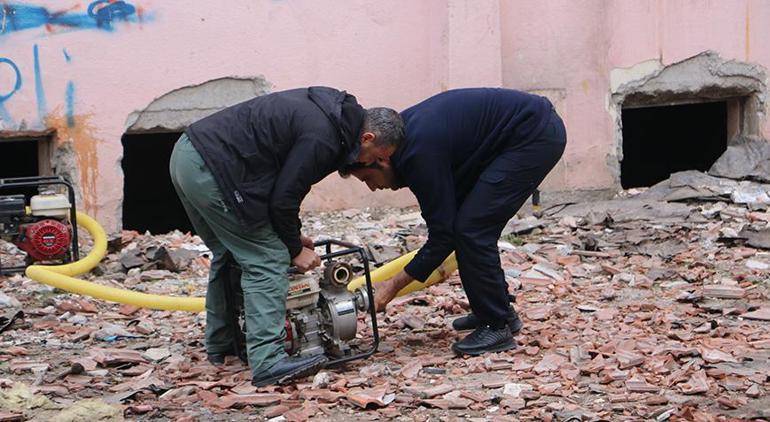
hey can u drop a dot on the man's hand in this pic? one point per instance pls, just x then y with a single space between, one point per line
385 291
306 260
383 294
306 242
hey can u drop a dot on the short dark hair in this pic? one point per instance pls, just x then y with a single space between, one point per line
386 124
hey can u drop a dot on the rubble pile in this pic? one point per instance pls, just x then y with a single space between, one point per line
633 308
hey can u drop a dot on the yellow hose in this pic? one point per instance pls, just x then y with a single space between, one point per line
393 267
61 276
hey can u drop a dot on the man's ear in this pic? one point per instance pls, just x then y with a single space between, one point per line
368 137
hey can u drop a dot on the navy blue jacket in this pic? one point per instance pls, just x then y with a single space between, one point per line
450 139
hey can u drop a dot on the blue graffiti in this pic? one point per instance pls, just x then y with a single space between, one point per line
69 97
42 106
101 15
16 85
4 115
106 11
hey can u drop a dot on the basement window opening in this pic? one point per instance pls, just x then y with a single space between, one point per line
661 140
24 157
150 202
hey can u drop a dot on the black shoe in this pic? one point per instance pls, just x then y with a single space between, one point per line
485 339
471 322
289 368
218 359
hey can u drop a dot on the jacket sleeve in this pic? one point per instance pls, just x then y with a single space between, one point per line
310 160
432 183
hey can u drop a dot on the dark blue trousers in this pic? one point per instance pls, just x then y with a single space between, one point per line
502 188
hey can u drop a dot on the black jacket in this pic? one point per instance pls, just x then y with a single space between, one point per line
450 139
266 153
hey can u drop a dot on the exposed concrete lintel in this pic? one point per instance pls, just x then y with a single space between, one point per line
177 109
24 134
705 76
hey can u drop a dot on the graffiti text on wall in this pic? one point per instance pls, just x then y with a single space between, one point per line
7 66
100 15
6 93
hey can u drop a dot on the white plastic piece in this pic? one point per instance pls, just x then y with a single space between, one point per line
303 291
50 205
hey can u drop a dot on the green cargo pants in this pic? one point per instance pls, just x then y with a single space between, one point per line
262 256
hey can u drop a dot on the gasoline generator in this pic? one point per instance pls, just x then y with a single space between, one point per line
42 225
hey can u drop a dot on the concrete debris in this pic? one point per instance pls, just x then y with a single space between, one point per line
381 254
694 185
633 308
131 259
178 259
747 159
624 211
321 380
723 291
514 390
522 226
762 314
112 332
756 238
7 301
753 264
156 354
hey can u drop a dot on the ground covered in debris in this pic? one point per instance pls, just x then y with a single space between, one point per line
634 308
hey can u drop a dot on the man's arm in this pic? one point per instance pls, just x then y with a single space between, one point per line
432 182
309 161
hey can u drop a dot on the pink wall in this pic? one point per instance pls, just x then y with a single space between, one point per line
571 48
563 46
391 53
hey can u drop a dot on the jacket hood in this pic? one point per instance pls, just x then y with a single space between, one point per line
344 112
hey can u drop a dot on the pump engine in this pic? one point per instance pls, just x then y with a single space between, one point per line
39 225
321 313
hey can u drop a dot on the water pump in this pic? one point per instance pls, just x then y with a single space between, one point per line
321 313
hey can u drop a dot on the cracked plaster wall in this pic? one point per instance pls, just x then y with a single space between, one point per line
93 84
572 52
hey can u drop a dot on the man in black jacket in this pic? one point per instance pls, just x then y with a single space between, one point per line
471 157
241 175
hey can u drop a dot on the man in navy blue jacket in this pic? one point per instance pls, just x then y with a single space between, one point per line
472 157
